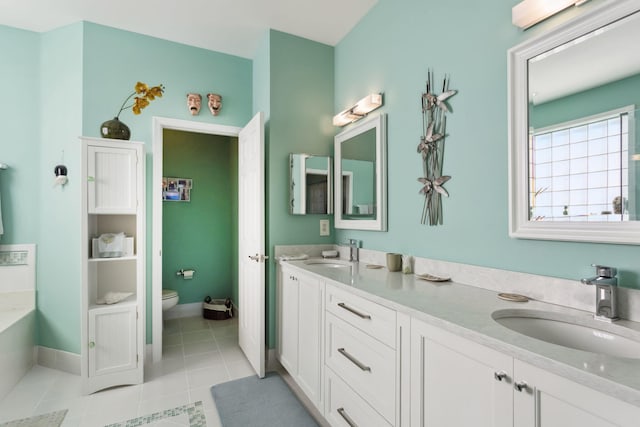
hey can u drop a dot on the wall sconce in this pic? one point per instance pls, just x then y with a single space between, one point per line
529 12
358 111
61 175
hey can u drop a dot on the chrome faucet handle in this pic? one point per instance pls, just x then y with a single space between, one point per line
604 271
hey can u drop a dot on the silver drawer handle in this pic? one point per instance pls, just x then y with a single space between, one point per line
521 386
353 310
500 375
353 360
346 417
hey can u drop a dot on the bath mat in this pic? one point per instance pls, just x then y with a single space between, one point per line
53 419
191 415
255 402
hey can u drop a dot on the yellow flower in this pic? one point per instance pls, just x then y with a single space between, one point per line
145 94
141 87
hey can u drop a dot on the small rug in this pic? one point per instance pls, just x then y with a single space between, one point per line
255 402
191 415
53 419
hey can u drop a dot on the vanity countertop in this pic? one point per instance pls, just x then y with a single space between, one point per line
466 311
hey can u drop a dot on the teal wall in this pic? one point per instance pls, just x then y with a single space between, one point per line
71 80
202 233
74 78
59 245
467 41
20 143
299 74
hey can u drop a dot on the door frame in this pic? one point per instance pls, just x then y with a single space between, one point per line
159 124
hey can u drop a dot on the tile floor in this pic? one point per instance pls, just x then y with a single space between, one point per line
197 354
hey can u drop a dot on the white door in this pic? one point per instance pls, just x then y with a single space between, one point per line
251 258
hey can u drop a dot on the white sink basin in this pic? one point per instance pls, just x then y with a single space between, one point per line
581 334
329 263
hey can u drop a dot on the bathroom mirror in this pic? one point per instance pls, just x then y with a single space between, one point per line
574 150
310 184
360 176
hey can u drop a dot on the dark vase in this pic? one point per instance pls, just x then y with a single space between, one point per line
115 129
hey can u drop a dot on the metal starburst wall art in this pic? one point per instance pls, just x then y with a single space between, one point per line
431 148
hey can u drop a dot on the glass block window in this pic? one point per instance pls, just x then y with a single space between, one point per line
578 171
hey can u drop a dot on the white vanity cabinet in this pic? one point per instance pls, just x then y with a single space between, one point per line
112 335
457 382
301 332
363 355
549 400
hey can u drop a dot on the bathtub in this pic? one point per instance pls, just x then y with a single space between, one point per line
17 337
17 314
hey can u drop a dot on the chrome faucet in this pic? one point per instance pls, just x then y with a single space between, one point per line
606 293
353 249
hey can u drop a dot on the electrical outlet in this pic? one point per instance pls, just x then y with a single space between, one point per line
324 227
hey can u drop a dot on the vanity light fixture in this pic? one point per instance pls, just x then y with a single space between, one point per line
529 12
358 111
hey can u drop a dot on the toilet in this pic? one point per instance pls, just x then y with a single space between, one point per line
169 299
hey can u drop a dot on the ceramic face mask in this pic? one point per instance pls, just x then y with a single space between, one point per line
215 103
194 101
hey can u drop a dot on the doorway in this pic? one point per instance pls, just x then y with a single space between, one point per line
159 125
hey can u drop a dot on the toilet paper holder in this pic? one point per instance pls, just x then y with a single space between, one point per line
187 274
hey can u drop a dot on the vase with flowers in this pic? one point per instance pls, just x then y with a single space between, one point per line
142 96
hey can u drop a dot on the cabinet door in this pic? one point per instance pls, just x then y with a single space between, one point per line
310 333
456 382
288 328
112 180
112 340
548 400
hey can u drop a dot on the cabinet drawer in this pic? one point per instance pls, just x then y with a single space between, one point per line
346 409
372 318
367 365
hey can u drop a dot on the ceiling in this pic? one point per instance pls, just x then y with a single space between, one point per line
229 26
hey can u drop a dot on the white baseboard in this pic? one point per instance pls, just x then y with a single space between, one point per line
58 359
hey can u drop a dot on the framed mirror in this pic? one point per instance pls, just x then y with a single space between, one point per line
310 184
574 147
360 179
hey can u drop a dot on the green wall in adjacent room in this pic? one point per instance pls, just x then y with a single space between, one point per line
201 234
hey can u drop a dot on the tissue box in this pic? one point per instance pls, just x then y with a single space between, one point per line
127 249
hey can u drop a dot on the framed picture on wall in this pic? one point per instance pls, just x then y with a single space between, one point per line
176 189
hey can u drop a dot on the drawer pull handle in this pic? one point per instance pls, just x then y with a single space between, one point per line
521 386
500 375
353 360
353 310
346 417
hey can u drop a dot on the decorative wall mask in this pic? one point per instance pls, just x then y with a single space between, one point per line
215 103
431 148
194 102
